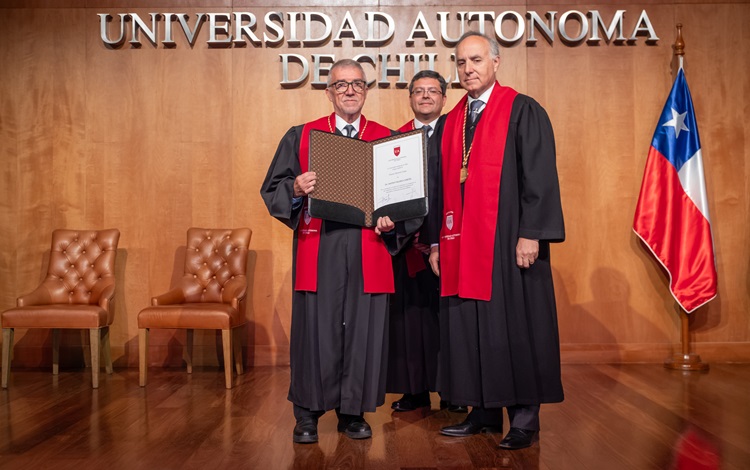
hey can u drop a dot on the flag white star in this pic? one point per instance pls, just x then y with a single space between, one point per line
678 122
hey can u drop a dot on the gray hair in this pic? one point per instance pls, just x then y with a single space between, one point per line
494 45
428 74
345 63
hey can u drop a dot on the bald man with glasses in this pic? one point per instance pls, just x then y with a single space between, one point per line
341 276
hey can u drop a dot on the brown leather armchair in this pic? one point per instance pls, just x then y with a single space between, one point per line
77 293
208 296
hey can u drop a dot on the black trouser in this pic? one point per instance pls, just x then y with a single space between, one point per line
520 416
302 413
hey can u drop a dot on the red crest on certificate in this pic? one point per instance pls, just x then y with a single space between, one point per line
396 151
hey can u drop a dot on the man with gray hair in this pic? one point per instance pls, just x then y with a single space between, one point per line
498 211
341 276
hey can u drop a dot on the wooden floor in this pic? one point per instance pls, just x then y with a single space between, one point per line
613 417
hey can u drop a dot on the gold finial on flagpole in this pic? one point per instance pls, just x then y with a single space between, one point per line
679 43
679 46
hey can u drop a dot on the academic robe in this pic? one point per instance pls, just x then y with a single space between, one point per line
505 351
339 334
414 337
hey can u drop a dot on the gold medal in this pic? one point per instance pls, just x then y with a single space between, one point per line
464 173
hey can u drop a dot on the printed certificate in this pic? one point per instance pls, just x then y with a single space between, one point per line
398 170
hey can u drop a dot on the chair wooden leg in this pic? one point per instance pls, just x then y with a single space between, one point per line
226 340
142 356
55 351
106 351
95 352
86 345
189 350
7 349
237 347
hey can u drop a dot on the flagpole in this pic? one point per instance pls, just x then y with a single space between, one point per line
685 361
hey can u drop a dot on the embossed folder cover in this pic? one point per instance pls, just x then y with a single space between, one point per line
360 181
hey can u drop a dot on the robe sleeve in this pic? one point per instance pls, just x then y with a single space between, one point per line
541 208
402 236
277 189
430 233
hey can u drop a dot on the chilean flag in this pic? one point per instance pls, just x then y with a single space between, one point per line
672 212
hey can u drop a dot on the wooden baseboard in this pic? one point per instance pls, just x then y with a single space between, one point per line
621 353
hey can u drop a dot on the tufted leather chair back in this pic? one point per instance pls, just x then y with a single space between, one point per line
216 259
81 265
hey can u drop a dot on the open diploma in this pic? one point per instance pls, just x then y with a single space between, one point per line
398 170
360 181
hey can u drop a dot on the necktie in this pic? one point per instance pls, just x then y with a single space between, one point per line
350 131
428 130
475 106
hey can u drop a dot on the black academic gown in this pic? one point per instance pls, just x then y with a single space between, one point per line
506 351
414 338
339 335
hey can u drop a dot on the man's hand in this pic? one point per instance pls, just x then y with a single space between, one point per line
304 184
527 252
435 259
384 225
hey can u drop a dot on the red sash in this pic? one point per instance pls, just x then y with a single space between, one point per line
414 258
377 267
467 236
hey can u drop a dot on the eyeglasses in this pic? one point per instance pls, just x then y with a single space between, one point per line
429 92
341 86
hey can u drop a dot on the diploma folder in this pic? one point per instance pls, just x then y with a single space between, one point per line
345 169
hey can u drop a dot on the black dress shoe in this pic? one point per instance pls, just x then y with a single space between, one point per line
468 428
453 408
355 427
518 438
306 431
411 402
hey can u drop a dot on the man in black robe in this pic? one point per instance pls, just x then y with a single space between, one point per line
414 337
498 211
342 276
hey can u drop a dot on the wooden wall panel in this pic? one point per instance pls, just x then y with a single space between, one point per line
154 140
592 97
9 186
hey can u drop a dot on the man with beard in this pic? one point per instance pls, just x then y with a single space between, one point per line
342 276
499 211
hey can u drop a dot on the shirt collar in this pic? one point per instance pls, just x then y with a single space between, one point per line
418 124
341 123
484 96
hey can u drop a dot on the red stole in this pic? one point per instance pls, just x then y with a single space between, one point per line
414 258
467 236
377 267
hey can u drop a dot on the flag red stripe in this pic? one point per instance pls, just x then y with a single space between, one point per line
678 234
